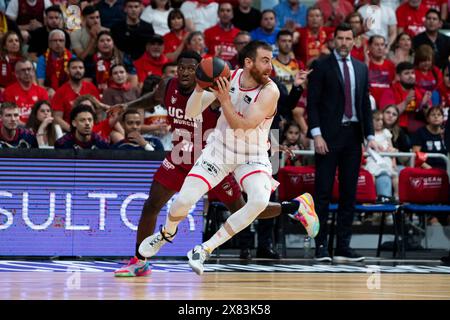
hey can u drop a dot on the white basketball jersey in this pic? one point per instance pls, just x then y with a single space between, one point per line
250 142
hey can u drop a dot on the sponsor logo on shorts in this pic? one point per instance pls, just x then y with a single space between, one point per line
166 164
257 163
211 168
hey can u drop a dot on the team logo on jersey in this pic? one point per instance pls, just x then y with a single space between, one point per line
210 167
247 99
173 99
228 190
232 89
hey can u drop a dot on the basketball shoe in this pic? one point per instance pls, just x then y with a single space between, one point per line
134 268
197 258
307 215
151 245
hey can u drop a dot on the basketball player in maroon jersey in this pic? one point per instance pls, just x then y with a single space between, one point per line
173 94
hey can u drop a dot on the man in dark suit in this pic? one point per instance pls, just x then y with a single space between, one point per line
339 117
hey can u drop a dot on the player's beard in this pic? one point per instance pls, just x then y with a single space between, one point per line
258 76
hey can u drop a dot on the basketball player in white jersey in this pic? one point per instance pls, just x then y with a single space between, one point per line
238 145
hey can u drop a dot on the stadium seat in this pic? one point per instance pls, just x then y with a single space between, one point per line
297 180
423 192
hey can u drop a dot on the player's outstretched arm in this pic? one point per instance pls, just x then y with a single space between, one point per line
151 99
199 101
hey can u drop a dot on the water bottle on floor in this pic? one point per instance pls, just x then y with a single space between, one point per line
307 247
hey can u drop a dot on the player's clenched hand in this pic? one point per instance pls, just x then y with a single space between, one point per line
223 90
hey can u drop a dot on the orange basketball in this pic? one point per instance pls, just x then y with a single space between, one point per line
209 70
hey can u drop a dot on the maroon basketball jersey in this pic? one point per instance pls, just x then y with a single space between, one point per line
189 134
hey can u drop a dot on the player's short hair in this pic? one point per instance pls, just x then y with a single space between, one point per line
402 66
189 54
249 51
79 109
7 105
129 111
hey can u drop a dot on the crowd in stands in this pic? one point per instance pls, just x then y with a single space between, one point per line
65 63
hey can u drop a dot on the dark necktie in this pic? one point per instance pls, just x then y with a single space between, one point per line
348 91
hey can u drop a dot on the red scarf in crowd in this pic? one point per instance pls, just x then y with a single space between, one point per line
122 87
7 70
102 66
56 69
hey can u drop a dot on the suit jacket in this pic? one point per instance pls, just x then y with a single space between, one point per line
326 98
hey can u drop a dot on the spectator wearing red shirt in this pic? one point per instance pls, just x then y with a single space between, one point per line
411 17
439 5
428 76
153 59
313 38
359 50
219 38
52 65
381 70
334 11
409 100
174 40
10 53
24 93
64 97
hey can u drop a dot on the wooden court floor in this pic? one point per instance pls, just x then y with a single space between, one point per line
222 286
